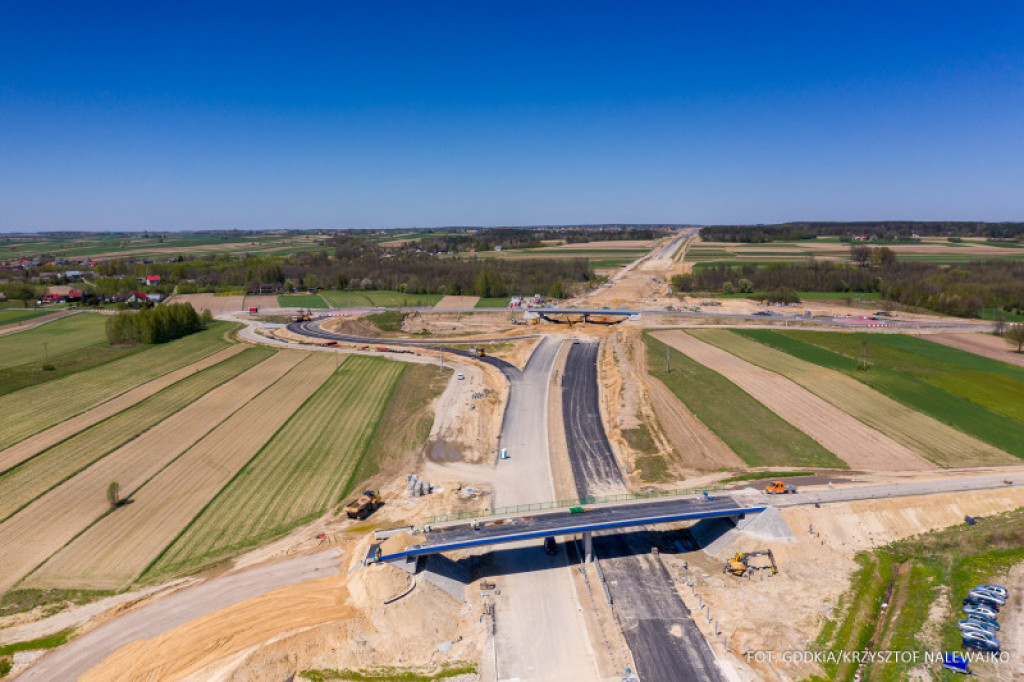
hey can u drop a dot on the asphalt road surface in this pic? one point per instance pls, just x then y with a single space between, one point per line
666 643
594 467
664 640
74 659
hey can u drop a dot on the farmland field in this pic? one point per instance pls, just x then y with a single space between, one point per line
374 298
836 379
307 466
33 409
53 519
12 315
852 441
60 336
301 301
117 549
493 302
34 477
759 436
981 397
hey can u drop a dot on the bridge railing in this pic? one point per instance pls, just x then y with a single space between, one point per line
568 503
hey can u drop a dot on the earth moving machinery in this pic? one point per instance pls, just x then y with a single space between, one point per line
739 565
364 506
305 315
477 351
779 488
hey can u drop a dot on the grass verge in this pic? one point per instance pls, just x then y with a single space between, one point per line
759 436
22 600
911 575
394 674
390 321
760 475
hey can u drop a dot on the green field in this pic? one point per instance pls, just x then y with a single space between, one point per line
498 302
303 470
29 374
375 298
978 396
52 339
33 409
301 301
12 315
920 570
759 436
32 478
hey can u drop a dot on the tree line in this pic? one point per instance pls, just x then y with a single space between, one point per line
890 230
962 290
155 325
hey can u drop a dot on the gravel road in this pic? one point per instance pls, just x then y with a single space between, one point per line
74 659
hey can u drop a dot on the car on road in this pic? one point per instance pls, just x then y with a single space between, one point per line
550 546
460 376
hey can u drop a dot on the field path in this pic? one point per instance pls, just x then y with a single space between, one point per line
985 345
51 521
929 437
851 440
116 550
33 445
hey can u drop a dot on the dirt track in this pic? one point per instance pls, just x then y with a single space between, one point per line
981 344
854 442
46 525
35 444
115 551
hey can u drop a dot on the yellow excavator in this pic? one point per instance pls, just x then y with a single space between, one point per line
739 565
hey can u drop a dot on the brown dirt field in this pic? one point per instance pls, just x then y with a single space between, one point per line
457 302
261 302
854 442
604 246
466 428
981 344
215 304
48 523
814 570
336 622
698 446
113 553
35 444
928 437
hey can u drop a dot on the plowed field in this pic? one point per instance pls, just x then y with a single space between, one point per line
303 470
31 410
49 522
852 441
118 548
928 437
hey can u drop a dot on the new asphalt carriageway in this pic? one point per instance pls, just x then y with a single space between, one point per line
525 522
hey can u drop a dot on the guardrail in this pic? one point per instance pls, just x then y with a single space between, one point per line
569 503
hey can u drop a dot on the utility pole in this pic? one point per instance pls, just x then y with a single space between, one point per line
440 369
46 353
668 361
864 355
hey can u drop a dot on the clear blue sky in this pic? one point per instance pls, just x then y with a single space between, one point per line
194 115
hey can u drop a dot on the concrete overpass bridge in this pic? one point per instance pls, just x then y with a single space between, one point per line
566 521
585 315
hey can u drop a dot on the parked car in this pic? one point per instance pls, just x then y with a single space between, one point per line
980 642
995 589
981 601
972 610
973 626
987 622
987 596
460 376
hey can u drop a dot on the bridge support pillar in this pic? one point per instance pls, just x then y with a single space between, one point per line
588 546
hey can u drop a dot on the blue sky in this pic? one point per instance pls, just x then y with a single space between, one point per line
186 115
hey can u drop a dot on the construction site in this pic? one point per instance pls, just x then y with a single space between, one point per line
619 487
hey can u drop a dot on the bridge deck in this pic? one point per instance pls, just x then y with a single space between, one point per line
565 522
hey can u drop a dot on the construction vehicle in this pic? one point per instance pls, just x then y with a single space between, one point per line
779 488
476 351
364 506
739 565
305 315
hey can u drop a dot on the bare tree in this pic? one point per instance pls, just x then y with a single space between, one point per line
1015 336
999 325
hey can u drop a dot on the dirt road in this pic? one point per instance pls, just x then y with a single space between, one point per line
75 659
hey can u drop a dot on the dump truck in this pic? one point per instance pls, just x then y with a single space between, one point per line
739 565
779 488
364 506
